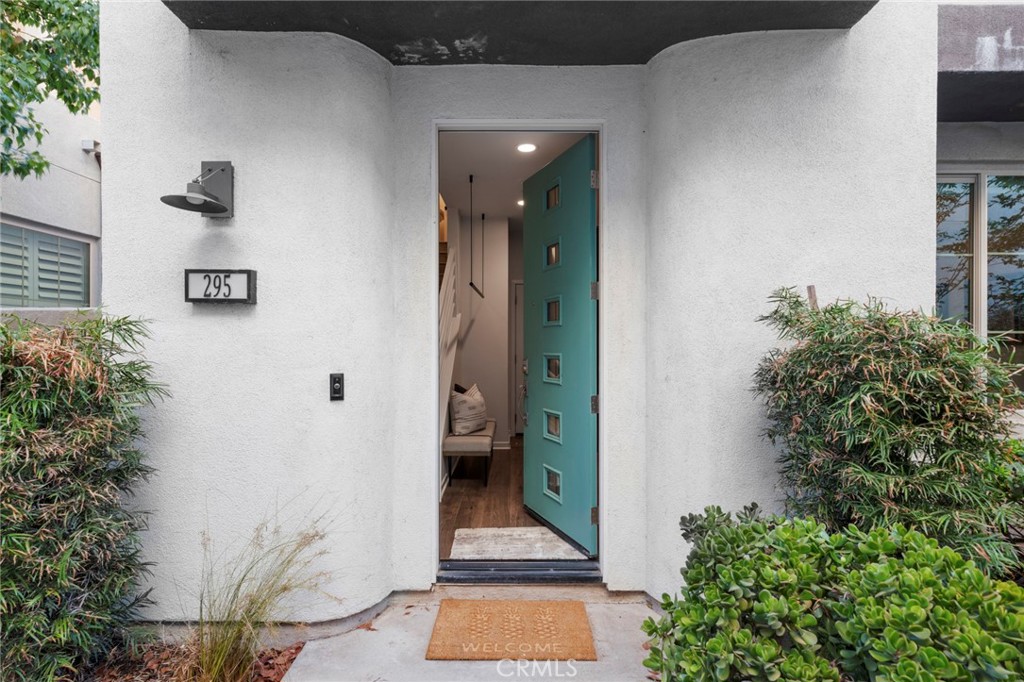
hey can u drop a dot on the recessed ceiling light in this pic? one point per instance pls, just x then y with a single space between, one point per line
527 147
521 203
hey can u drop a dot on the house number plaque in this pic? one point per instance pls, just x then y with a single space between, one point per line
220 286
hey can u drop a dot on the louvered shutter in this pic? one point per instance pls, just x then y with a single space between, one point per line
14 267
43 270
61 272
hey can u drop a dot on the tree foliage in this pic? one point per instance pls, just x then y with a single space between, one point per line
46 47
69 549
892 417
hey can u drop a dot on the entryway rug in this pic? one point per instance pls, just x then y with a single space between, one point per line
535 543
484 630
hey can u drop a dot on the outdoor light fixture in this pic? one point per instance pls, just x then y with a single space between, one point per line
520 203
211 192
527 147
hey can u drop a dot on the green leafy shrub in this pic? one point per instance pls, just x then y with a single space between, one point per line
894 417
70 551
782 599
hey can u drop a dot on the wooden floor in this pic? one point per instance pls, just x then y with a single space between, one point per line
468 504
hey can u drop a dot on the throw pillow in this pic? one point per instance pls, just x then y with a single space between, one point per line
469 411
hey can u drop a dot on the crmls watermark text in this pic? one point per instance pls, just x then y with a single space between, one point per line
508 667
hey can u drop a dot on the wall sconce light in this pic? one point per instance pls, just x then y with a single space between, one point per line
92 147
212 191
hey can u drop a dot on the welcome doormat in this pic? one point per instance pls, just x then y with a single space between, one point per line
483 630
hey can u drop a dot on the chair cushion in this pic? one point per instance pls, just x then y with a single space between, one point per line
469 411
478 442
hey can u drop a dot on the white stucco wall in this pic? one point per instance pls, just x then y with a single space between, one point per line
776 159
729 166
304 118
67 196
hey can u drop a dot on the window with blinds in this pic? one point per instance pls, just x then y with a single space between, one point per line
40 270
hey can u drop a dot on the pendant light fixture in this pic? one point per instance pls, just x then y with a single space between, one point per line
472 285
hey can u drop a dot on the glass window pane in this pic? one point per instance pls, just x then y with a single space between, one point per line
553 425
1005 294
553 197
953 217
553 483
1006 214
953 287
553 254
553 369
1006 253
553 311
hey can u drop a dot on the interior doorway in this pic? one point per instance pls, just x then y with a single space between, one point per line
521 252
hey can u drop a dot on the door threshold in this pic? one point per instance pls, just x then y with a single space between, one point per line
557 572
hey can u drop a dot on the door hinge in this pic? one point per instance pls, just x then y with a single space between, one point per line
594 404
595 291
593 179
593 516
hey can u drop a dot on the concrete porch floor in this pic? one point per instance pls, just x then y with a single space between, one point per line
394 650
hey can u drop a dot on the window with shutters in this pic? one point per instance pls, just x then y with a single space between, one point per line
42 270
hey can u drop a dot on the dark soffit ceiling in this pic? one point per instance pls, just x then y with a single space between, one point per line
981 96
581 32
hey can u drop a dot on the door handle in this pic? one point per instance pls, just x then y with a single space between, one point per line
521 405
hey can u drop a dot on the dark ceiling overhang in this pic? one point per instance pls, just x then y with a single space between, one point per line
520 31
981 96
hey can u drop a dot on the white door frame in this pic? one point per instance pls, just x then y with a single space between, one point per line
505 125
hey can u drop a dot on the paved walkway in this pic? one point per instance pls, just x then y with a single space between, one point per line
393 650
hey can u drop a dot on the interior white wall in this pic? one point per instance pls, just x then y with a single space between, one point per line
780 158
981 142
423 96
483 337
515 250
68 194
454 233
305 120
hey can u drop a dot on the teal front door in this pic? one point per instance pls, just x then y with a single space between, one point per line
560 345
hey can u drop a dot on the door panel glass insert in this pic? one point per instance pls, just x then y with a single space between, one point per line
553 368
554 198
553 425
954 257
553 483
553 254
553 311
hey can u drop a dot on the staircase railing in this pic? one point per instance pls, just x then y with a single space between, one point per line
449 322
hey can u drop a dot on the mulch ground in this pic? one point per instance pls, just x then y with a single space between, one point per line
163 663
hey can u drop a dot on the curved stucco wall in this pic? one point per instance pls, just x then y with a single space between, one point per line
783 158
305 118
